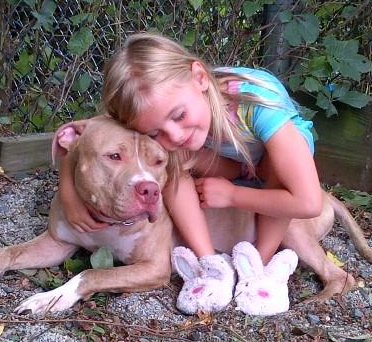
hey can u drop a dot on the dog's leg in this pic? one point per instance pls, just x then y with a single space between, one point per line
42 251
302 240
132 278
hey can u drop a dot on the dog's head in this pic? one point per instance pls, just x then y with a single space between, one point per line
118 172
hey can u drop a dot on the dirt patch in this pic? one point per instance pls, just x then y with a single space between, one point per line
152 316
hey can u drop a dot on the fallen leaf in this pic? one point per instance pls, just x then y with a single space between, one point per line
334 259
2 326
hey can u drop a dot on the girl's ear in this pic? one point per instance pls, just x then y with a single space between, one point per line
186 263
199 75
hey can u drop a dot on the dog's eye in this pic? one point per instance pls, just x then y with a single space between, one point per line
159 162
115 156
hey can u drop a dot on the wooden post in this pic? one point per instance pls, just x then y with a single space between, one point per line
275 47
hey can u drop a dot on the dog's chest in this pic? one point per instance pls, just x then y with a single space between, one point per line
122 245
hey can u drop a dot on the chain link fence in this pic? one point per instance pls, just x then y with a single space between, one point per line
52 53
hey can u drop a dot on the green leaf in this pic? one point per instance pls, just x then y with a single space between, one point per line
80 41
251 7
44 18
355 99
305 294
349 12
319 67
196 4
302 29
83 83
30 3
189 38
81 18
327 9
362 63
58 77
75 265
291 33
307 113
340 90
24 63
322 101
285 16
295 81
348 70
309 27
341 49
98 329
102 258
331 110
311 84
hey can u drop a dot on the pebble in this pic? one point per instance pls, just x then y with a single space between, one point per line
313 319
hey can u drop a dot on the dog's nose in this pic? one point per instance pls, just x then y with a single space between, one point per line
148 191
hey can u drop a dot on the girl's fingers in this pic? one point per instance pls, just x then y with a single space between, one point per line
78 228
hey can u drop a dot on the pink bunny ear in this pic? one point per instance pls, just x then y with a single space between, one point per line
282 265
186 263
65 135
247 260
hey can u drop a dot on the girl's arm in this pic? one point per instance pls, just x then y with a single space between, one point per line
184 207
75 210
298 193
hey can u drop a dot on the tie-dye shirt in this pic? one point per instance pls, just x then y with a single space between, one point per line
261 121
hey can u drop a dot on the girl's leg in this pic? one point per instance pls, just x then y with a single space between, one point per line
270 231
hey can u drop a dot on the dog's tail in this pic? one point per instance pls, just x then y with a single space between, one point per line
352 227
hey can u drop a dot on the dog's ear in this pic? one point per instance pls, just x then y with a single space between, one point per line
247 260
186 263
65 136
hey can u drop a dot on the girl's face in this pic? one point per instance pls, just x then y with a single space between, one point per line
178 115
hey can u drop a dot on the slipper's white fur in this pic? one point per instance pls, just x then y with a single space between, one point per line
262 290
208 282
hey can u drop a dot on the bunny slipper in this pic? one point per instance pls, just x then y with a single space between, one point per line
208 282
262 290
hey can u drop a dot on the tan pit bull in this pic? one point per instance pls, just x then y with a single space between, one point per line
121 174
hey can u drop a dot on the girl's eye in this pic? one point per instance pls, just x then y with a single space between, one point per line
115 156
180 117
153 135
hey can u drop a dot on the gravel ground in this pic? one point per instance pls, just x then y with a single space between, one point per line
152 316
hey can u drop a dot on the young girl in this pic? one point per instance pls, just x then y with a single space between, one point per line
219 124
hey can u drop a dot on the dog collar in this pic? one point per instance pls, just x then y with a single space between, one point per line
127 222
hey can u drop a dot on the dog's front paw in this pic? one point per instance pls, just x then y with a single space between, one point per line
59 299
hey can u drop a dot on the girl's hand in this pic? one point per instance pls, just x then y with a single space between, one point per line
214 192
77 213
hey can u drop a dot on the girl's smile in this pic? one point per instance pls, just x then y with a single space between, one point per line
179 116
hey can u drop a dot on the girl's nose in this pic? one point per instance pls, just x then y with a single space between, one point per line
174 134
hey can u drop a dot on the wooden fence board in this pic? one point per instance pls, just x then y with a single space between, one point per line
25 153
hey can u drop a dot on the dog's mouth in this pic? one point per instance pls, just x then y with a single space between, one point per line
100 216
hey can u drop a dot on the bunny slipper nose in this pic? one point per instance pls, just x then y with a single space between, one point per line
263 293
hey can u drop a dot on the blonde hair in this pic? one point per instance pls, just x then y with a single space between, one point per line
148 60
